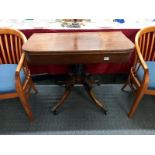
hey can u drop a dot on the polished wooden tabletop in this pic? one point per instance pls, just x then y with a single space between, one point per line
77 47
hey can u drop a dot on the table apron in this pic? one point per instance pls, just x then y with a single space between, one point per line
78 58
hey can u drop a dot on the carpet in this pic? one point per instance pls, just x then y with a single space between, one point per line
79 115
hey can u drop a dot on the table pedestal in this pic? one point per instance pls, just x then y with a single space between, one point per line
78 76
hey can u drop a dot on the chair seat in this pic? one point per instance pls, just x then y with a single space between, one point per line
151 67
7 77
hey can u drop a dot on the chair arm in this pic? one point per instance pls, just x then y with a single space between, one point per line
19 67
144 66
138 51
21 62
141 60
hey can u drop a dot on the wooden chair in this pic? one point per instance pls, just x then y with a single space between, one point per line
142 75
15 80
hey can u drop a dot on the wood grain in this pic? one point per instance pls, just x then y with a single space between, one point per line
77 47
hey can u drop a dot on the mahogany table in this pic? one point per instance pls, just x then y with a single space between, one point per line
77 50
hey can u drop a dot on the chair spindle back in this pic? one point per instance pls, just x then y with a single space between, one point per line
146 42
10 46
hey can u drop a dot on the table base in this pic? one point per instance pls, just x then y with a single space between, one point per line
78 77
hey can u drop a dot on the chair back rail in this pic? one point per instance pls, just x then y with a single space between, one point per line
10 46
145 46
146 42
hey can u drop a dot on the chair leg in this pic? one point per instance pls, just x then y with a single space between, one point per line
33 86
24 102
26 106
135 103
126 83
